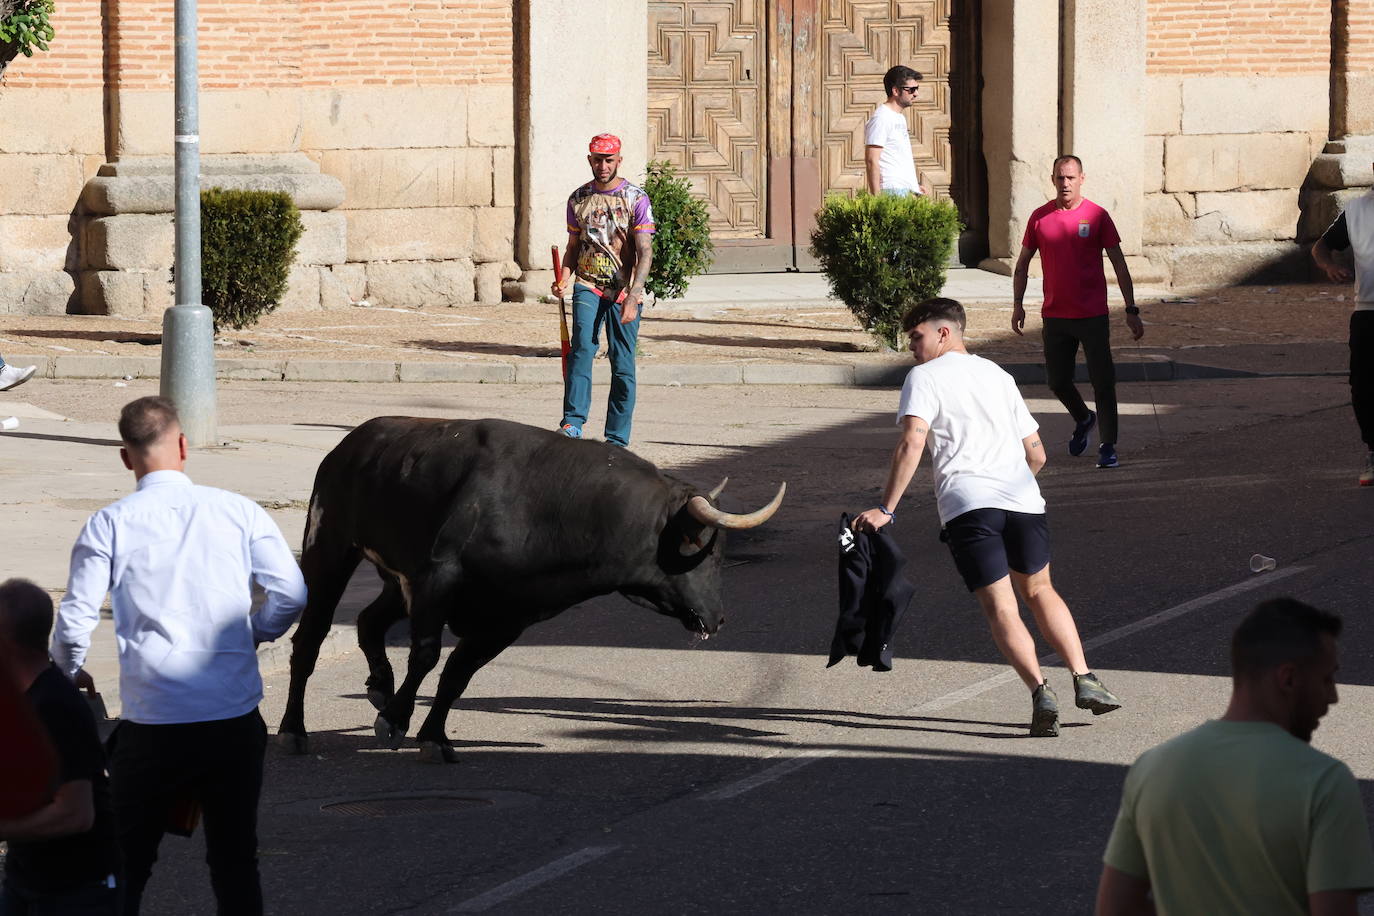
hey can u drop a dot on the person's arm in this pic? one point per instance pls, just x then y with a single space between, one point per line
644 259
872 176
1123 281
1019 278
905 458
88 581
570 252
71 811
275 569
1035 452
1122 894
1336 273
1333 903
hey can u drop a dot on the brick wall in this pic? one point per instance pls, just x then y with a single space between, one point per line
273 44
1238 37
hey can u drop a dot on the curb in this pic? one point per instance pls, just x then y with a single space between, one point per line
548 371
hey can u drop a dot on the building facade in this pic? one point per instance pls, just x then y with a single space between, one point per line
431 143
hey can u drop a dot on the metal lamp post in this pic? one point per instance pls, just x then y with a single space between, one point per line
188 329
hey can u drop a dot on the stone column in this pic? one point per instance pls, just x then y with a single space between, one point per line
1020 117
1104 106
1352 81
581 69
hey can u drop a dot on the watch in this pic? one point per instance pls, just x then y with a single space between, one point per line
1132 310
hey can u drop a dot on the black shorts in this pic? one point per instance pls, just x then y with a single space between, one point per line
988 543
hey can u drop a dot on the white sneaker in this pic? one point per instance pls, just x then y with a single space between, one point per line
13 376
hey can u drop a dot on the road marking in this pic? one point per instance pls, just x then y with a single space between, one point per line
517 886
805 758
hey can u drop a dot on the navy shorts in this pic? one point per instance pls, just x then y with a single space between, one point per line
989 543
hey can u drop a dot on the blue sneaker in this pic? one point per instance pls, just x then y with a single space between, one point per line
1106 455
1079 441
572 432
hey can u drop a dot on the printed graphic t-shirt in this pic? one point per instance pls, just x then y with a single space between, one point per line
977 421
607 222
1071 243
896 169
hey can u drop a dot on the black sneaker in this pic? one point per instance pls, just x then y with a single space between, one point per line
1078 443
1044 712
1106 456
1090 693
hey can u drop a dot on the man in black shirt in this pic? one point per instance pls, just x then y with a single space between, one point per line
62 857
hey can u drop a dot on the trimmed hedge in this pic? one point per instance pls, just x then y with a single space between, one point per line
883 253
682 242
247 245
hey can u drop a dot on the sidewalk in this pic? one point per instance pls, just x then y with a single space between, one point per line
729 329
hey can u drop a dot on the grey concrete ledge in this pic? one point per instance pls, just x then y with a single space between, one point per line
1154 368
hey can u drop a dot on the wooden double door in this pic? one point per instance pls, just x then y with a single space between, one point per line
761 104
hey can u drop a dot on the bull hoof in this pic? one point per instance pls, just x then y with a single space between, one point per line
293 744
388 732
437 752
377 698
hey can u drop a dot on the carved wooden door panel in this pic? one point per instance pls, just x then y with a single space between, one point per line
708 105
858 41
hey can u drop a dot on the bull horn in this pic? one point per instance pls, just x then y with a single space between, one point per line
720 488
700 508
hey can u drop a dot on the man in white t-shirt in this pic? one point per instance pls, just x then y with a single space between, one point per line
888 164
986 451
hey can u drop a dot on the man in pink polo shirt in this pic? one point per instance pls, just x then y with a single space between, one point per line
1071 232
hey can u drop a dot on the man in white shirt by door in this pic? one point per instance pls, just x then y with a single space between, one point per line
888 163
179 562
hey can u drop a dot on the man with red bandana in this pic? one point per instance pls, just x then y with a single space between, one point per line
609 251
1071 233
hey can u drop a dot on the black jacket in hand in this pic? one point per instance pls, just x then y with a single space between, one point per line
873 597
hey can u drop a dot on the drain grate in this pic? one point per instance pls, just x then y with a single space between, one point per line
393 807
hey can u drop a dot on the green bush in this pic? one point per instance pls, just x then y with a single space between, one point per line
24 25
247 243
682 243
882 253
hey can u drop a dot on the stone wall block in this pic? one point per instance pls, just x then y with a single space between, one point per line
385 118
420 284
112 292
342 285
1247 105
490 279
325 240
1337 170
110 194
302 290
1163 104
378 179
36 243
493 234
1166 219
1213 266
503 177
1252 215
72 121
137 241
40 185
491 116
36 292
1320 208
1154 165
432 234
1226 162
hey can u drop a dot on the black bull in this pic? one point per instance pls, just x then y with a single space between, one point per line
490 526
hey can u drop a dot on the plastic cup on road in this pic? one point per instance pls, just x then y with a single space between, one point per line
9 423
1260 563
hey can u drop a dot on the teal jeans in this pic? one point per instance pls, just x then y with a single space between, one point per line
589 314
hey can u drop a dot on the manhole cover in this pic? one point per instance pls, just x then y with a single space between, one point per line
392 807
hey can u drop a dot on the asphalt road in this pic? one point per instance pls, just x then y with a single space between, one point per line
612 763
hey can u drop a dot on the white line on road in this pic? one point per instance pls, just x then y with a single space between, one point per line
805 758
517 886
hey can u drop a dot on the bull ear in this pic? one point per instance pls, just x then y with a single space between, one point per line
684 543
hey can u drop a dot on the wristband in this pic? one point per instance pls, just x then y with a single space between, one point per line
1132 310
886 511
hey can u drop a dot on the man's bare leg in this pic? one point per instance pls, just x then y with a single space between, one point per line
1052 617
1009 630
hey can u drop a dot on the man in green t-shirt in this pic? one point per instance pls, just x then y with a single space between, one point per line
1241 815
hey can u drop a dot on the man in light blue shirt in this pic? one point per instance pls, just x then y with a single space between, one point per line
179 562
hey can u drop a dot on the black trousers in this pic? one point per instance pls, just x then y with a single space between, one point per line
1362 373
1062 337
152 767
